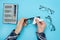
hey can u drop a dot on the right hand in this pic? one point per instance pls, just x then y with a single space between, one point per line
41 26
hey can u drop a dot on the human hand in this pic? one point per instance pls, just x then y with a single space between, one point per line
20 25
41 25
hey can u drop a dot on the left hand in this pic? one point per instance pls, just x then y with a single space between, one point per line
20 25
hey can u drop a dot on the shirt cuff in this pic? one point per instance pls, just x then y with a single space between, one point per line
41 36
12 36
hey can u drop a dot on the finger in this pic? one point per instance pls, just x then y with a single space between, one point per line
21 21
37 21
43 22
25 23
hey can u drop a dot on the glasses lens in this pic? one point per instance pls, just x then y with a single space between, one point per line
29 21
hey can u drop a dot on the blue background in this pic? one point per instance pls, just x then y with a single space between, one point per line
27 9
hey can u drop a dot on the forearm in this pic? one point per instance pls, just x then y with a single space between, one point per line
41 36
12 36
18 29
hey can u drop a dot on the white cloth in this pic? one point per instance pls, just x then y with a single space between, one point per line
34 22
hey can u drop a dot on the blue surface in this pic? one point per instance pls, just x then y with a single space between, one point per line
27 9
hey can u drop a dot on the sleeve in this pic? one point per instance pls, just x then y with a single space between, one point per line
12 36
41 36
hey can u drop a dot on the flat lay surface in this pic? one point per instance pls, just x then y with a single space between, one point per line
28 9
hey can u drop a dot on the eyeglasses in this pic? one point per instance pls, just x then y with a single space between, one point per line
51 24
30 20
46 9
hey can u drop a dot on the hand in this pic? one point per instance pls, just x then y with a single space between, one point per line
20 25
41 26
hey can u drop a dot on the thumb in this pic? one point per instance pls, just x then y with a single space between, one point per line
37 21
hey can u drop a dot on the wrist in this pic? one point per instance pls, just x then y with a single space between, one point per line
18 30
40 30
